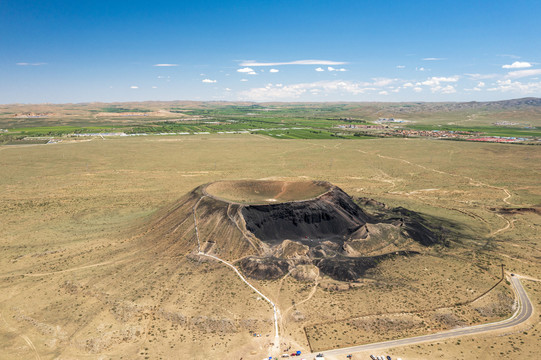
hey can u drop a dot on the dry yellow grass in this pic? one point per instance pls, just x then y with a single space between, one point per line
77 280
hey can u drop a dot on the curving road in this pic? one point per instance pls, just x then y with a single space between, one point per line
523 313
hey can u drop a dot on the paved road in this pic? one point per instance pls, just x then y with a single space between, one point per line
523 313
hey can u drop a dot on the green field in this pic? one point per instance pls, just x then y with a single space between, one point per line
317 120
59 130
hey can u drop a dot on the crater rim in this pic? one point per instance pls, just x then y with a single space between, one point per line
266 191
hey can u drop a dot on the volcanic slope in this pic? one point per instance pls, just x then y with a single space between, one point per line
172 232
273 227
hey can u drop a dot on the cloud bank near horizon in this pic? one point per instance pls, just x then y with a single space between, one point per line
295 62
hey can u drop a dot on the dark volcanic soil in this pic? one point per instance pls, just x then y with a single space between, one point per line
346 268
510 211
332 216
329 234
264 268
323 231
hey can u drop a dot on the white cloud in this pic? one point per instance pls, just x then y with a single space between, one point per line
30 64
274 70
243 79
227 89
417 89
296 62
420 69
516 87
330 68
165 65
400 66
523 73
134 87
436 86
208 81
435 80
247 70
433 59
380 82
154 87
449 89
382 86
294 91
164 77
320 69
517 65
479 87
408 84
481 76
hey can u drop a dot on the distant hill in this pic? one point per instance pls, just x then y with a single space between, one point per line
513 103
525 111
414 107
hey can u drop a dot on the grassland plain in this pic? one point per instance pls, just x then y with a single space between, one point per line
513 118
76 283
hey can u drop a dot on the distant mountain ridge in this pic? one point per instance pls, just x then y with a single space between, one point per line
519 102
529 103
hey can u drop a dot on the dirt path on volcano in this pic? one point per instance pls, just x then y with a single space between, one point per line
506 227
282 191
275 347
310 295
244 233
22 336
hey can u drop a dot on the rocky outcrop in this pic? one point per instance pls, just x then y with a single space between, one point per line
308 273
346 268
332 215
264 268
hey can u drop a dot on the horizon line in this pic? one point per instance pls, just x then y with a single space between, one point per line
268 101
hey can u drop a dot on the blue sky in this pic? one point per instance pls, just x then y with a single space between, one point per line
82 51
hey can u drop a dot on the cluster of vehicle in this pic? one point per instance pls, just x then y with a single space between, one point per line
381 357
321 357
296 353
